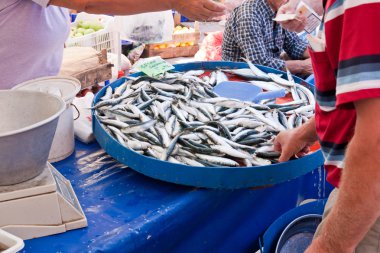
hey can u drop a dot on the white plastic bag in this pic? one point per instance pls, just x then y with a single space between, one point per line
83 124
148 28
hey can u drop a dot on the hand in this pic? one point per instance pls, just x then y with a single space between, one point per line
295 25
307 67
292 142
201 10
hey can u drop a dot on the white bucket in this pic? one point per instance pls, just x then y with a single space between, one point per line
67 88
10 243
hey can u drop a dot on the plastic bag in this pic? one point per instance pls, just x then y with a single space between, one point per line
83 124
148 28
211 48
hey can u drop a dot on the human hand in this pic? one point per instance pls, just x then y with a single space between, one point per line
295 25
201 10
290 143
307 67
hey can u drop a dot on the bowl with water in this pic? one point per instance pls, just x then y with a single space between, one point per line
298 234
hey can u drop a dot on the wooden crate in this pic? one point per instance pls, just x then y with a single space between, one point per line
172 52
86 64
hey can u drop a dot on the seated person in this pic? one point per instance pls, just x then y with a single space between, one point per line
251 33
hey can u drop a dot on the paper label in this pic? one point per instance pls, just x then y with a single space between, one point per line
155 67
313 20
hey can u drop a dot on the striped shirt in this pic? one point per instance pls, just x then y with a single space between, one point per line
250 32
348 71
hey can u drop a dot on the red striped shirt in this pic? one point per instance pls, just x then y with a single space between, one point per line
349 70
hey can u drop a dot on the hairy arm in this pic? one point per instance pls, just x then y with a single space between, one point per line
303 67
358 204
196 9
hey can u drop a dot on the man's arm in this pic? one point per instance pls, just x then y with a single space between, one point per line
303 67
358 204
196 9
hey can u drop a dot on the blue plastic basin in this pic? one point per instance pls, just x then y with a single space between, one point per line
209 177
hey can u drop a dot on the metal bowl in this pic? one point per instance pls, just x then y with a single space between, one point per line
297 236
27 126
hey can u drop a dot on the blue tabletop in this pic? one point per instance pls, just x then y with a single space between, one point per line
129 212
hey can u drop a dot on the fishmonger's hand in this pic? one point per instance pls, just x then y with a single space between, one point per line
296 142
201 10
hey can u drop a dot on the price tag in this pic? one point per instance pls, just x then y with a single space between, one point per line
155 67
311 17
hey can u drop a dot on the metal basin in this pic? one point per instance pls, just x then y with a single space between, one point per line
297 236
27 126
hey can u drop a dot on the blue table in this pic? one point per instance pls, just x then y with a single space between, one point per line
129 212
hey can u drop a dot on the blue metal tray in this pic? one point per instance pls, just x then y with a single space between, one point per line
208 177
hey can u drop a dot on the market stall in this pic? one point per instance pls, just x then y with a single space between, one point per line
180 164
129 212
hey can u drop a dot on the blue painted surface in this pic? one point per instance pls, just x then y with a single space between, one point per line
310 79
210 177
129 212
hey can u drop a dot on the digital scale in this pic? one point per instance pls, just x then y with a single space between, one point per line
44 205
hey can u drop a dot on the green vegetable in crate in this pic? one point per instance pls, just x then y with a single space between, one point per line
96 26
80 30
85 27
88 31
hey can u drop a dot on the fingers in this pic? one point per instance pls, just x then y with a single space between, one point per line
286 154
277 144
296 25
293 25
289 7
200 10
281 144
214 6
289 145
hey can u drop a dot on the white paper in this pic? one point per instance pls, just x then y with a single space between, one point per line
313 20
285 17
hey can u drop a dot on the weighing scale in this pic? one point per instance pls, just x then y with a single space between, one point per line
44 205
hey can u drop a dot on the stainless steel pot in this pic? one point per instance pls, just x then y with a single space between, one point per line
28 121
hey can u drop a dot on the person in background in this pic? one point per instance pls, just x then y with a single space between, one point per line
251 33
346 58
33 32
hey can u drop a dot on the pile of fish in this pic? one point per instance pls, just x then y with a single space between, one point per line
178 118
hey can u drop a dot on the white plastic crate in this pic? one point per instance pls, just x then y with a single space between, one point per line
107 38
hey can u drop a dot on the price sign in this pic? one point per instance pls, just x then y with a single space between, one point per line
155 67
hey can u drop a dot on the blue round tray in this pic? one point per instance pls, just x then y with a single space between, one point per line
209 177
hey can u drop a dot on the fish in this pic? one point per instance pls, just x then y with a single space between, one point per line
220 77
178 118
255 70
247 74
108 94
281 81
